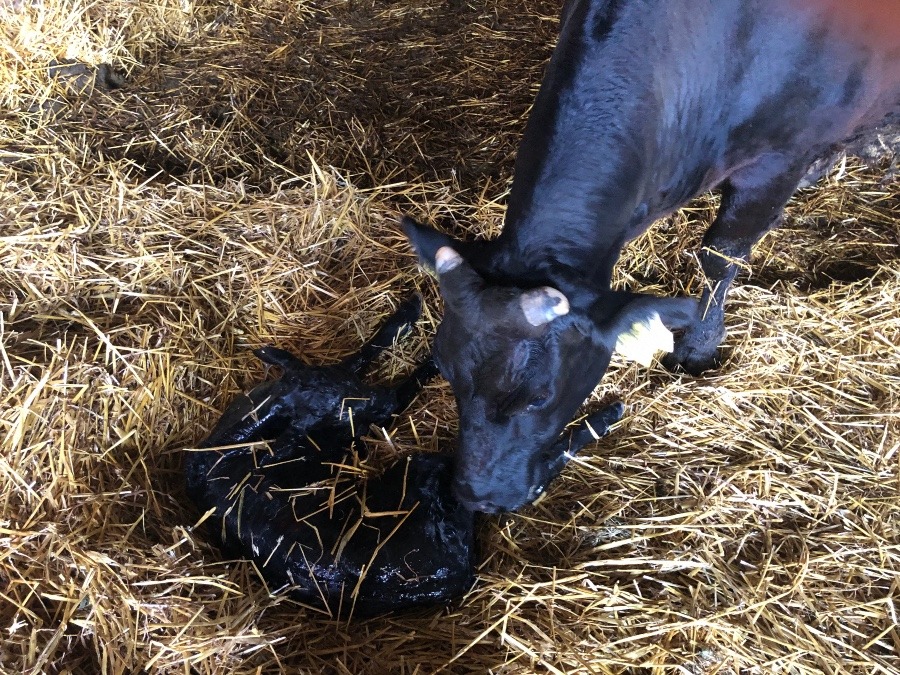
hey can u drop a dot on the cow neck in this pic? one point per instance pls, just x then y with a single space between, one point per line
508 267
571 244
584 177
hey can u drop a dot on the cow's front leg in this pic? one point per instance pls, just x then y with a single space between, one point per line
752 202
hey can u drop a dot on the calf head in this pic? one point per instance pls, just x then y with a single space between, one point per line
521 361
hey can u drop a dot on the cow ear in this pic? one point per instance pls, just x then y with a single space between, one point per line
425 240
646 336
461 286
541 305
644 326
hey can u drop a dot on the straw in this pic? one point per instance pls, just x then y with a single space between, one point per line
241 188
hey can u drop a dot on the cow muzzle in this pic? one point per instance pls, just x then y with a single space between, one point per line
484 500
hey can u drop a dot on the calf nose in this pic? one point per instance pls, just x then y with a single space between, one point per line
466 496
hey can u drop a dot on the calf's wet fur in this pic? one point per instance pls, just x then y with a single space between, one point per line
274 473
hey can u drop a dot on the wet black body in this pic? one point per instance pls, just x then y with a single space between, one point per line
644 105
297 508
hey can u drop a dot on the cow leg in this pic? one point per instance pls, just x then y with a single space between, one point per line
753 201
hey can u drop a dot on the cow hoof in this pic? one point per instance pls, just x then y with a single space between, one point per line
697 349
692 361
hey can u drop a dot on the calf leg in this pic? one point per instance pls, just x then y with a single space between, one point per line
753 200
386 401
297 402
396 326
410 387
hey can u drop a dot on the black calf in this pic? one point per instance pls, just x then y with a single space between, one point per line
274 472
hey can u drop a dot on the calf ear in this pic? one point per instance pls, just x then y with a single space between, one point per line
425 240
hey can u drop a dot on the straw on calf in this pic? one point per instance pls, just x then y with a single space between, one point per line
348 546
645 104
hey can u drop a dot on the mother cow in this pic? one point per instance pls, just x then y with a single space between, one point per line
645 104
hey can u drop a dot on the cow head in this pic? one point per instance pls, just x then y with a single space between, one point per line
521 361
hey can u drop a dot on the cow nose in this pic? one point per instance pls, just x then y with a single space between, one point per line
466 496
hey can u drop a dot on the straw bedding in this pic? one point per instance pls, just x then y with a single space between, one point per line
240 188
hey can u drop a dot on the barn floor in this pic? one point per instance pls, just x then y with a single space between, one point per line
235 182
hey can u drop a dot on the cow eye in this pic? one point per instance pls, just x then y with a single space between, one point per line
538 401
516 402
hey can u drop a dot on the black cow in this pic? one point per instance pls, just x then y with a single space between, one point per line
644 104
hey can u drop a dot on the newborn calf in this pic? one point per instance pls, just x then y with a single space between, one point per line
277 473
